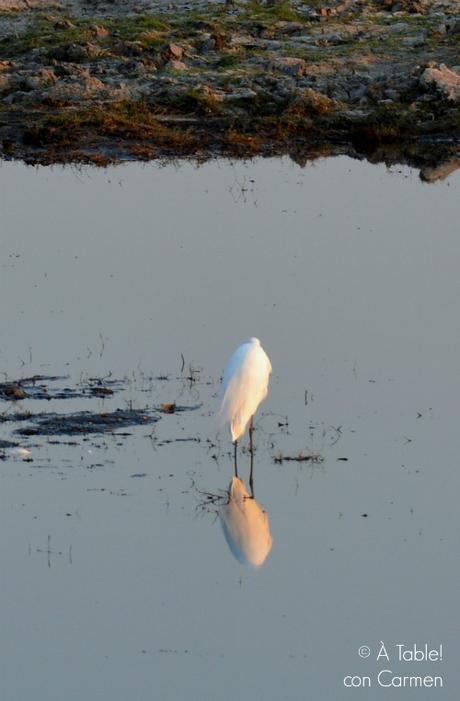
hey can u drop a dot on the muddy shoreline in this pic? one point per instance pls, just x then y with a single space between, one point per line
93 82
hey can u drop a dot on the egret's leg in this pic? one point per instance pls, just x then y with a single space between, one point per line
251 480
235 444
251 451
251 431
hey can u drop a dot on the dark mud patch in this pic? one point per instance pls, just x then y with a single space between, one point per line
7 444
83 422
42 387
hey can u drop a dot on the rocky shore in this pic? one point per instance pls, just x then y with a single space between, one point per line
103 82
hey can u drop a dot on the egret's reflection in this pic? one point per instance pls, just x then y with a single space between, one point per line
246 526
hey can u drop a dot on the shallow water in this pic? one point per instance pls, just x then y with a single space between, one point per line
117 580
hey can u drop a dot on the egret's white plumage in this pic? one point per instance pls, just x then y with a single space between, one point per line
244 386
246 526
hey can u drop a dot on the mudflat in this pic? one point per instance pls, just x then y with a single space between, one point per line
104 82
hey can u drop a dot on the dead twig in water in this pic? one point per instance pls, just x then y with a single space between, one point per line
209 502
315 458
101 352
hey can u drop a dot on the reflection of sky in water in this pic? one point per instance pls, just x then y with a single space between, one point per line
349 275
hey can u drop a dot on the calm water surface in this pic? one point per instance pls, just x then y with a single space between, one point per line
117 581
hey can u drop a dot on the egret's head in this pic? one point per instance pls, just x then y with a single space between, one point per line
255 341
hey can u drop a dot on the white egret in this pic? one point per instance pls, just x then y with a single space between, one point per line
244 387
246 526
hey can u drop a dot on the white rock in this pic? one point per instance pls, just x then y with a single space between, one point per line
444 80
20 452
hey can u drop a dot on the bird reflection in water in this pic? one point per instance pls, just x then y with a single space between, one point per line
246 526
244 521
